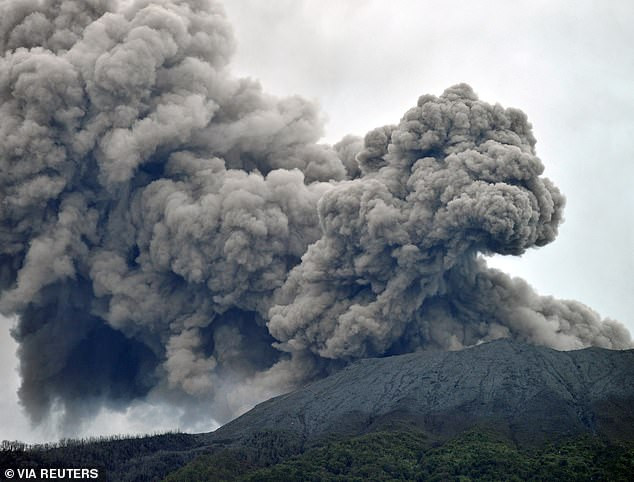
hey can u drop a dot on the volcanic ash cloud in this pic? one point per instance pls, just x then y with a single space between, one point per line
397 266
171 232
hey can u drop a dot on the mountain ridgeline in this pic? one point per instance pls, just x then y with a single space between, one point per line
519 404
527 391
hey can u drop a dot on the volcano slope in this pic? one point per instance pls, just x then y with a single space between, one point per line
529 392
498 403
500 410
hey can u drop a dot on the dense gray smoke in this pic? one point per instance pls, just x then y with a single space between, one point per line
396 268
169 230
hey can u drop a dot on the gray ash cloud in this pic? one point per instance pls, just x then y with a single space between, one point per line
170 230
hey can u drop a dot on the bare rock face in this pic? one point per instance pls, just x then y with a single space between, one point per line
528 392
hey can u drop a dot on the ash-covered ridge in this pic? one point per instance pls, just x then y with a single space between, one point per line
526 391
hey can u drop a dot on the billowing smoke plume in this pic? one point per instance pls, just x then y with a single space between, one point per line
167 229
396 267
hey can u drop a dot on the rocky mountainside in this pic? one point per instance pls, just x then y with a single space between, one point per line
529 392
528 397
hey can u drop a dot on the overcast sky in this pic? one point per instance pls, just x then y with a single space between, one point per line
568 65
569 68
